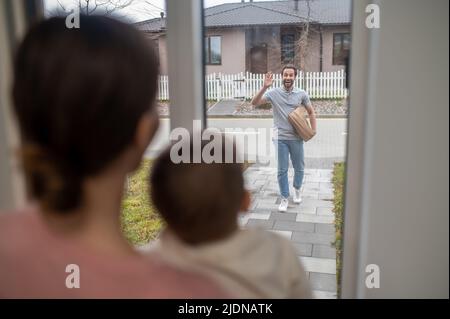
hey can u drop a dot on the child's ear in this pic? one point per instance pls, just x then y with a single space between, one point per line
246 199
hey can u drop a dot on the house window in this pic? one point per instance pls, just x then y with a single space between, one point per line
341 48
287 48
213 47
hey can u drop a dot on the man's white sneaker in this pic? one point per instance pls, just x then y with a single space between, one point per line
297 198
283 205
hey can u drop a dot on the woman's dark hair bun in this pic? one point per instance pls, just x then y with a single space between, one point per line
53 183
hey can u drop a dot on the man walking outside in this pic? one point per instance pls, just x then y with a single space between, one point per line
284 100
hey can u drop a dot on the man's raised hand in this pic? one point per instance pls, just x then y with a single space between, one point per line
268 80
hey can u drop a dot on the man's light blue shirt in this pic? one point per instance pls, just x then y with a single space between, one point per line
283 103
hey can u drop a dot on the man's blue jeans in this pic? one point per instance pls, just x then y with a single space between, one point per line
295 149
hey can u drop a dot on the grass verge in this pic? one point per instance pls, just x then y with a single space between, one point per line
338 183
140 220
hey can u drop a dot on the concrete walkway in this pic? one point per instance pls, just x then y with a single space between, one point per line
309 225
224 108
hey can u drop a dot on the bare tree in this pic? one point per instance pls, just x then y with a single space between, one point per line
301 45
136 9
296 49
90 7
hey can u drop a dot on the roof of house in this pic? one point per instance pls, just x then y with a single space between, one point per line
267 13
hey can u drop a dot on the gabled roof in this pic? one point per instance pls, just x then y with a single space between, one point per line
250 14
268 13
152 25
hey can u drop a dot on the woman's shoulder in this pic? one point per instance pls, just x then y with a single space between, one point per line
15 221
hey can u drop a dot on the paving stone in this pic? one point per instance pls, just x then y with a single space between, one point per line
260 180
313 238
325 229
272 184
273 189
326 173
325 188
252 205
311 171
312 185
304 210
266 175
256 215
325 196
259 184
293 226
324 251
316 179
325 192
325 211
282 216
312 218
266 169
266 206
311 190
284 233
296 209
319 265
291 200
323 282
253 188
265 193
266 224
308 202
260 211
244 218
269 203
303 249
292 207
320 294
309 195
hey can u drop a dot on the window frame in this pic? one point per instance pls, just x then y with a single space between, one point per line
282 50
208 50
341 35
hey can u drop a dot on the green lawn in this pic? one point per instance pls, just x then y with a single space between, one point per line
140 221
338 183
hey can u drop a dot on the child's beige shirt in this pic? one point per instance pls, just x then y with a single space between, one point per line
251 263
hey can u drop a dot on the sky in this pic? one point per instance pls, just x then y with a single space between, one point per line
138 10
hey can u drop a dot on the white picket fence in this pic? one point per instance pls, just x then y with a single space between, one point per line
218 86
